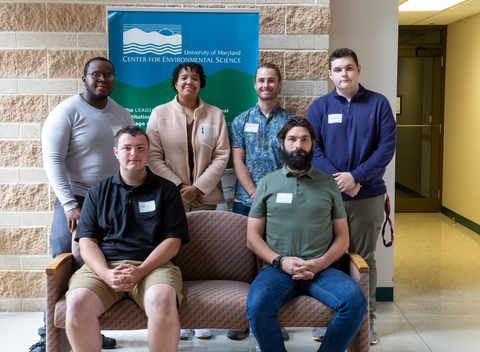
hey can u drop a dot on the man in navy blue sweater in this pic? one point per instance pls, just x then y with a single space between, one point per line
356 135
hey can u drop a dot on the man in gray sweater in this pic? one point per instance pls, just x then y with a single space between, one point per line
77 141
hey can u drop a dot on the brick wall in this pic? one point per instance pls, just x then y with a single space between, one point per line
43 48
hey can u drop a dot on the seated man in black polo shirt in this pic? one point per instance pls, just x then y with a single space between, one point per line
131 226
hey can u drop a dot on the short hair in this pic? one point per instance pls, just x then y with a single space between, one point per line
132 131
342 52
98 58
296 121
189 66
268 65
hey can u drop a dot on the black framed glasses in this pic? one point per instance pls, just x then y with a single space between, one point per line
98 76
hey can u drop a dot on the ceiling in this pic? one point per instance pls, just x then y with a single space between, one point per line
455 13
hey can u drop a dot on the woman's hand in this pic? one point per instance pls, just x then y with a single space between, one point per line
189 193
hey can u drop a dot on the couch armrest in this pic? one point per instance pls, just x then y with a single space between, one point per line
57 264
360 264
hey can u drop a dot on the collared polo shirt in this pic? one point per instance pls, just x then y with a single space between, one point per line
130 222
255 133
299 211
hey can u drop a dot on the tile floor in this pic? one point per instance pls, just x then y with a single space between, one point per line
436 308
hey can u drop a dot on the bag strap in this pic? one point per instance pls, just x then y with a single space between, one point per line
387 219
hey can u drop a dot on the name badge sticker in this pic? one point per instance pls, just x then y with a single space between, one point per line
284 198
146 207
335 118
251 127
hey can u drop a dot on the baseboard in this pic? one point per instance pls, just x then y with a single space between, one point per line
461 220
384 294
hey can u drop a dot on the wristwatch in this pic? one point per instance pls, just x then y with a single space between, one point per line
277 262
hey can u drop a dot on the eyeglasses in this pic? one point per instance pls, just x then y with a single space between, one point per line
98 76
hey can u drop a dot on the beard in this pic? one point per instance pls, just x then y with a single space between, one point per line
98 96
271 97
297 160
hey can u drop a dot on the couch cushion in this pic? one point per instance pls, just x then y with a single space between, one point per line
215 304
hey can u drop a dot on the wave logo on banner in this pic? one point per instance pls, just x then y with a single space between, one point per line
156 39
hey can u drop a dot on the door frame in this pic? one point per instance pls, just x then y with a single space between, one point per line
432 204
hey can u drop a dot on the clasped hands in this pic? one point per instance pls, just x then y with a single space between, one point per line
124 277
190 195
298 268
346 183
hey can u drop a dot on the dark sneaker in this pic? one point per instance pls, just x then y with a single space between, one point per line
373 335
38 347
319 333
237 334
285 334
108 343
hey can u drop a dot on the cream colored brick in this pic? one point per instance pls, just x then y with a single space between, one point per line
9 175
320 88
35 262
36 219
10 262
9 218
23 63
89 41
54 100
322 42
308 19
274 57
22 284
298 105
37 175
10 305
8 86
51 86
286 1
297 88
306 65
52 196
169 2
34 305
24 197
272 18
9 130
70 63
25 17
23 240
47 40
76 18
20 153
8 40
30 131
23 108
287 42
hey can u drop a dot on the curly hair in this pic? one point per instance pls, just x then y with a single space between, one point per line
189 66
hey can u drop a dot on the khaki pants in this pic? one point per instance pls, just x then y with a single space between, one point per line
365 218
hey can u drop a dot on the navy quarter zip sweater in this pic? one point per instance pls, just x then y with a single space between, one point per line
357 137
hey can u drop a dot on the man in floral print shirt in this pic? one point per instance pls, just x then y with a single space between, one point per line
253 137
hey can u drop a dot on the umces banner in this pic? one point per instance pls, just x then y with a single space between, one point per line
147 44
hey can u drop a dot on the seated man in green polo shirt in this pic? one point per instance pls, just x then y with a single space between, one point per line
298 227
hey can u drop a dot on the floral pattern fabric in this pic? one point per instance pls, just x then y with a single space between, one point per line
262 148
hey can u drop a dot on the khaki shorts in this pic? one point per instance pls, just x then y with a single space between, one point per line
86 278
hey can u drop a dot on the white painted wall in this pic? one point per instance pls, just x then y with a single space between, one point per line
370 28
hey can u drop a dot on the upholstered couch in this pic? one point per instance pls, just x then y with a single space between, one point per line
217 269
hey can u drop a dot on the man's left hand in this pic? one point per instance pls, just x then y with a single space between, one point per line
126 277
345 181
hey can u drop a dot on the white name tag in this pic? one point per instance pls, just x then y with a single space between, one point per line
251 127
146 207
335 118
115 129
284 198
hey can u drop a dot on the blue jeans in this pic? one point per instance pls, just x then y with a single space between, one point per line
273 288
241 209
